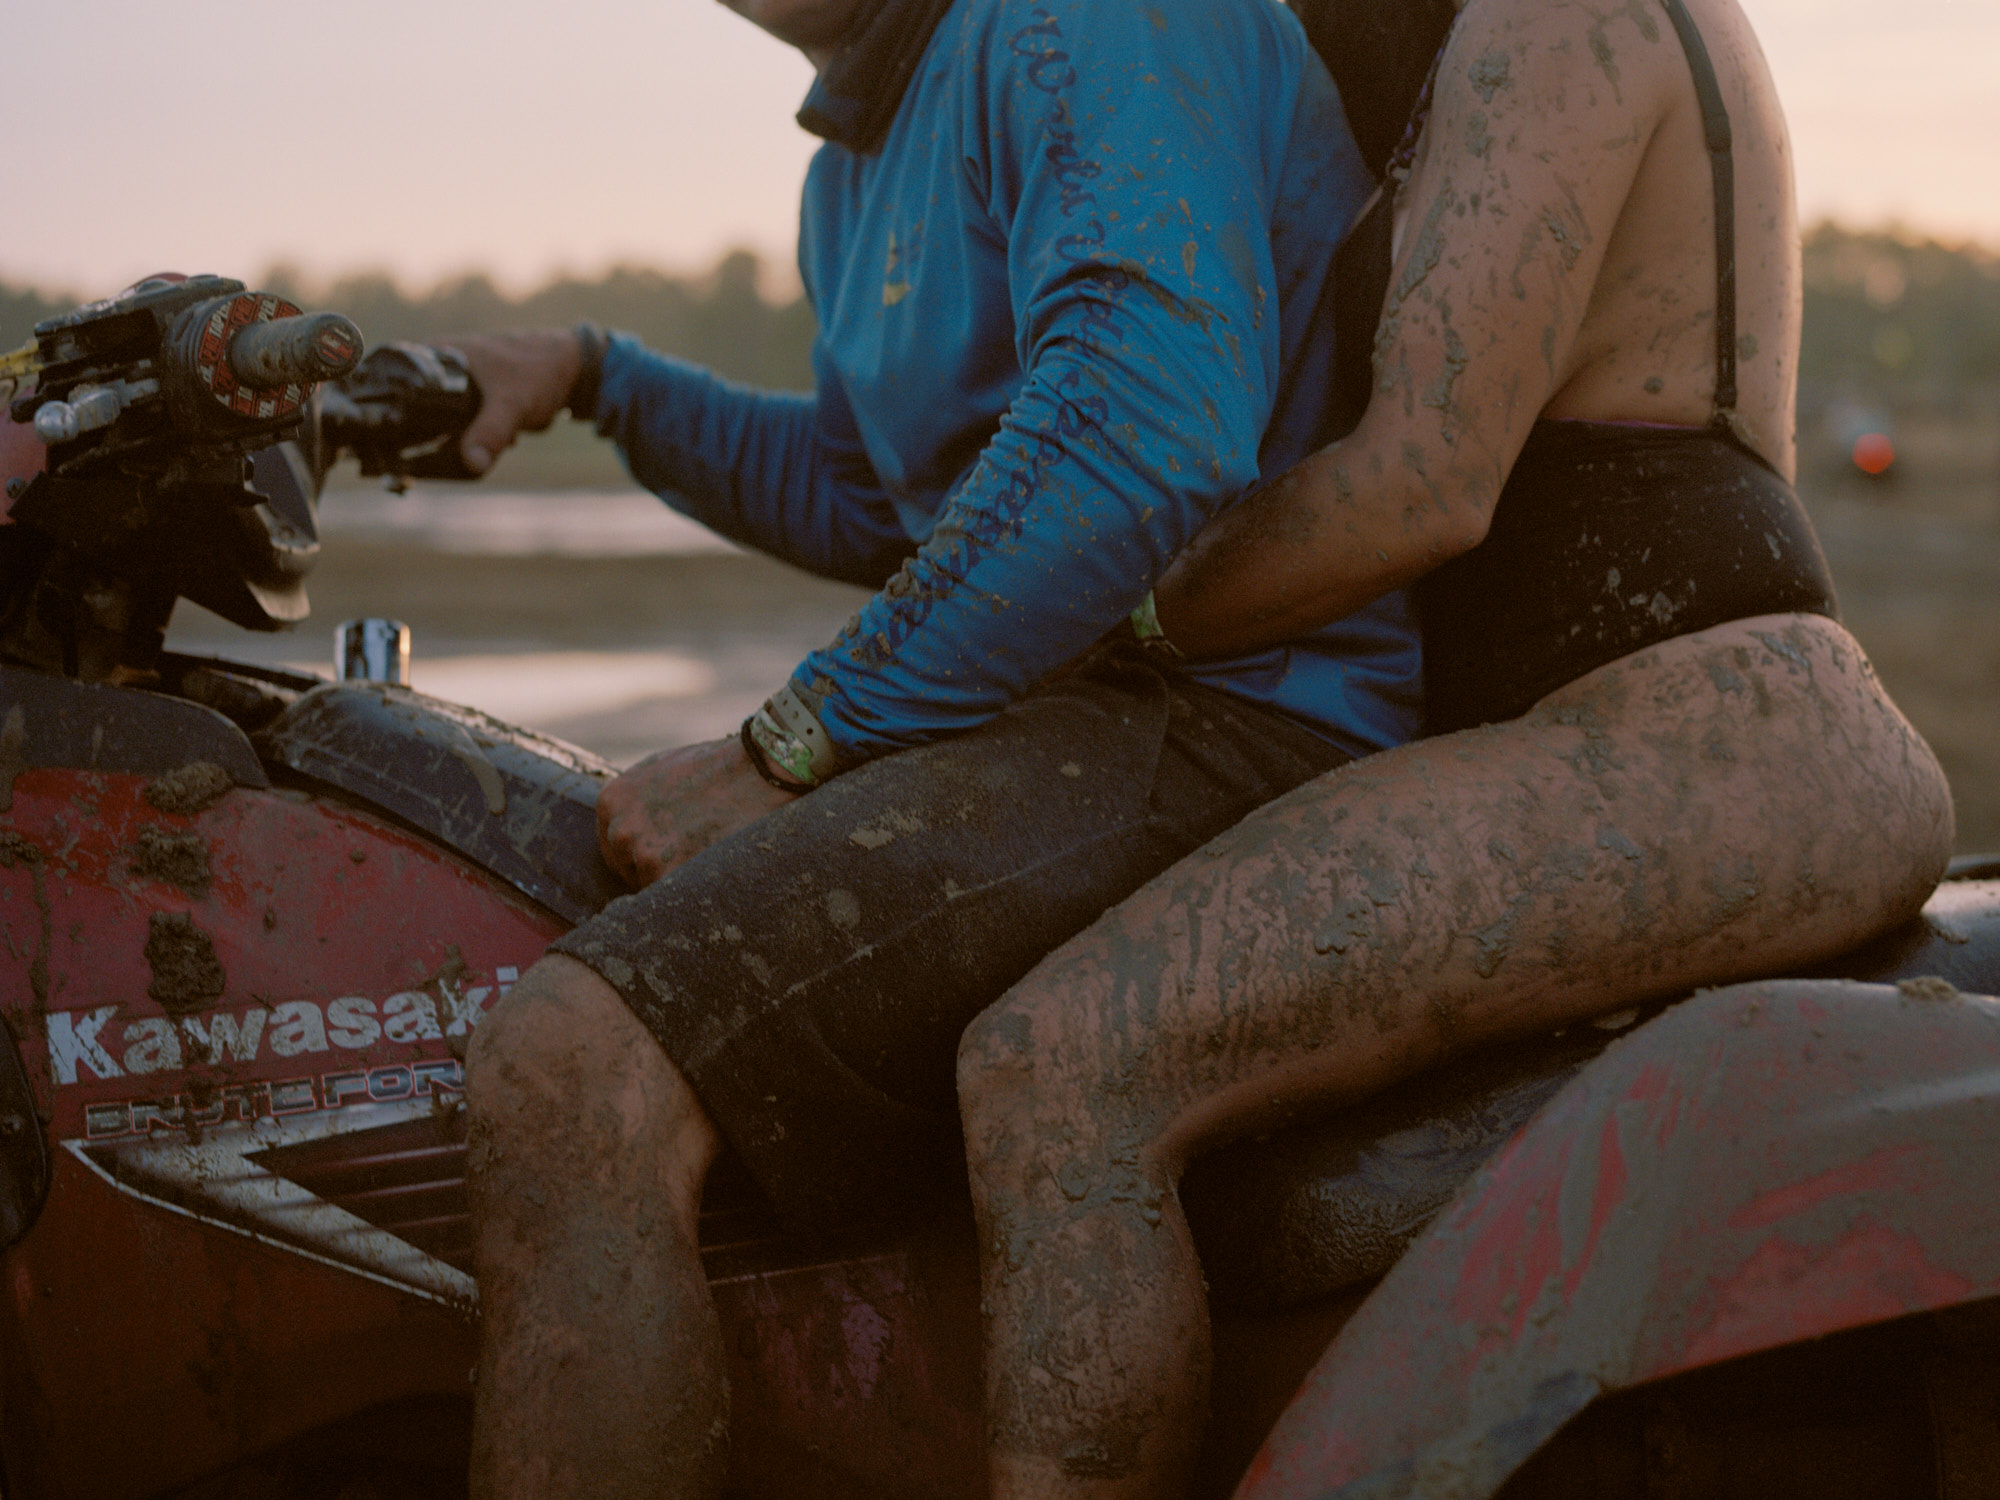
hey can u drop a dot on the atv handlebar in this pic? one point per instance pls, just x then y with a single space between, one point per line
299 350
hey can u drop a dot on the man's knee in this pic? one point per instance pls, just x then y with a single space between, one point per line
1023 1096
996 1073
561 1066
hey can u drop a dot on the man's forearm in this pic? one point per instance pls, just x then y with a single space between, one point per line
755 466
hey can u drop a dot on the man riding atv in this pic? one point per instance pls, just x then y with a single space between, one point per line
1070 265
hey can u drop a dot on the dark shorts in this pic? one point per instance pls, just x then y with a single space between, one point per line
811 976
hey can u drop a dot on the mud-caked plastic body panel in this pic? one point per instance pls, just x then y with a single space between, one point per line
207 980
1763 1164
86 726
516 803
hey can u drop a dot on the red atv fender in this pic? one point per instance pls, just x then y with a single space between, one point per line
1764 1164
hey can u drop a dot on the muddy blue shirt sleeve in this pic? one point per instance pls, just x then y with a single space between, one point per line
782 473
1129 162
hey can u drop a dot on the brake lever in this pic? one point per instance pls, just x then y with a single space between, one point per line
401 413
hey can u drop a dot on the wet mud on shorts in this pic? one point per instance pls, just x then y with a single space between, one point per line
811 975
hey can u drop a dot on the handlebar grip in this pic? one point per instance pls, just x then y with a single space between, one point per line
295 351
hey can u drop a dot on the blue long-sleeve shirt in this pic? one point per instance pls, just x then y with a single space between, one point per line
1068 312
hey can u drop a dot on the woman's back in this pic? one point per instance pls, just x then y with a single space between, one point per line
1651 316
1608 164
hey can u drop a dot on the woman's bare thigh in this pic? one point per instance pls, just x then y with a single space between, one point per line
1726 804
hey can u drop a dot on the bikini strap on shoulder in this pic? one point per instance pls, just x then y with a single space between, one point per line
1722 164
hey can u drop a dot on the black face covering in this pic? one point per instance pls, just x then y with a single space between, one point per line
1380 54
861 87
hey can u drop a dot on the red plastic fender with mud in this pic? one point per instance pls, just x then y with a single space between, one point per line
299 975
1764 1164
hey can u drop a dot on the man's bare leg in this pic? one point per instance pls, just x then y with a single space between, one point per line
1718 807
600 1365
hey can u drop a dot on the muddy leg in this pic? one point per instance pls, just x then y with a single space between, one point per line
600 1367
1717 808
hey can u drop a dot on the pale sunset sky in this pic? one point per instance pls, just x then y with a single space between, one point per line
429 137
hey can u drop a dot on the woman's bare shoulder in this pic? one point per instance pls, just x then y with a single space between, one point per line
1542 116
1622 54
1645 349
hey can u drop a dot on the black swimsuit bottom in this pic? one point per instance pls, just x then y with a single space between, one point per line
1608 539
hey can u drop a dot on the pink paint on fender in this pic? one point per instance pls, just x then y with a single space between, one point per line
1613 1179
1786 1291
1882 1170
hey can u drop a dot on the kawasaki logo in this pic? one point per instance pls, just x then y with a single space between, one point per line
95 1044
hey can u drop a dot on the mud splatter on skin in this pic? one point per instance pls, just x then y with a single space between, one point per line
193 788
1567 245
1531 240
1601 50
1478 141
178 857
566 1191
1606 57
187 976
1190 984
1491 74
1494 943
1425 255
1441 395
1348 926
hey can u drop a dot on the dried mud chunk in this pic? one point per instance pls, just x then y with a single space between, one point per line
1927 987
177 857
190 789
187 976
15 850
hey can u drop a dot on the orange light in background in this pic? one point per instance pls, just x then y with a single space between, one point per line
1874 453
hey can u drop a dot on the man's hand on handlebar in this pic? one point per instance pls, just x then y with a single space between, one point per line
526 378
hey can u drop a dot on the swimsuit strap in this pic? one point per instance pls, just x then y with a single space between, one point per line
1715 127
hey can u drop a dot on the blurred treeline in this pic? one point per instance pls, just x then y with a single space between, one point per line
1901 321
1889 318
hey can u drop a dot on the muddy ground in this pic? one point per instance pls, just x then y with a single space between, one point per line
1917 562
